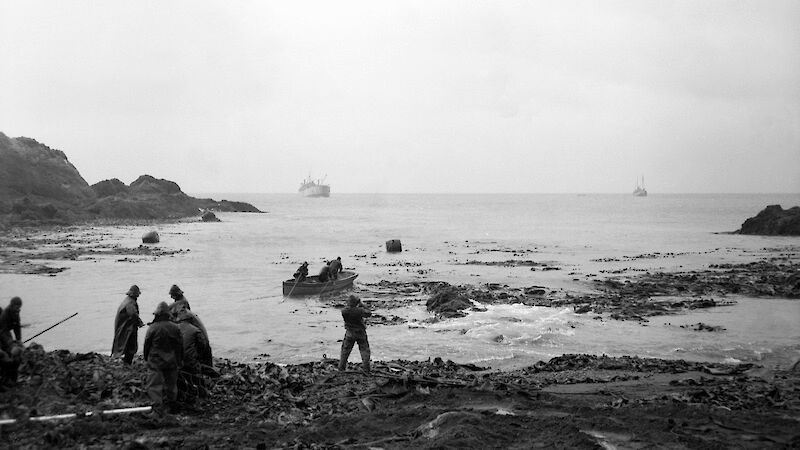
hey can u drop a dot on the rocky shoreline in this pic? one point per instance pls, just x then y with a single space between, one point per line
573 401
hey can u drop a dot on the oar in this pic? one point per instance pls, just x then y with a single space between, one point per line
296 280
325 287
49 328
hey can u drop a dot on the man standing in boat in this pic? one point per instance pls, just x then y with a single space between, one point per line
355 332
325 273
335 268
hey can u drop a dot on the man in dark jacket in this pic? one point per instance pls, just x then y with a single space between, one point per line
10 348
180 302
163 351
355 332
126 327
324 273
335 268
196 351
302 272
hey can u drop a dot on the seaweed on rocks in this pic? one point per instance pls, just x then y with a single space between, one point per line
572 401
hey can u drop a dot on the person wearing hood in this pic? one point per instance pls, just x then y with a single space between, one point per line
126 327
196 351
302 272
203 357
10 348
163 352
180 302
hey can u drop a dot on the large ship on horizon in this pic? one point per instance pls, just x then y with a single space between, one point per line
314 188
640 191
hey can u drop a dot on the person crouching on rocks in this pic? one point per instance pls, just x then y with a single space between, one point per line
355 332
163 351
195 351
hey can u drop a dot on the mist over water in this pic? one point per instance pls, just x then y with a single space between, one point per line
231 272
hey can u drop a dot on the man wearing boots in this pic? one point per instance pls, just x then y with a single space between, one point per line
163 351
355 332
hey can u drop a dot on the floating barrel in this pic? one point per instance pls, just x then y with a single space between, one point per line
151 237
394 246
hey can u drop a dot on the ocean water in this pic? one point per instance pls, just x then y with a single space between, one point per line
232 271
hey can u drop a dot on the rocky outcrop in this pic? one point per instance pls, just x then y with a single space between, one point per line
774 220
209 216
29 169
38 185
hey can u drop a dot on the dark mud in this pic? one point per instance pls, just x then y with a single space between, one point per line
573 401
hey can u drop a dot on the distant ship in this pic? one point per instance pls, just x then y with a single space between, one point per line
640 191
314 188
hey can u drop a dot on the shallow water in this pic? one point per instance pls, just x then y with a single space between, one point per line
233 270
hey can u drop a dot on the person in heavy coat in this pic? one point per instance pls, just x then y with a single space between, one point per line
10 346
302 272
355 332
126 327
335 268
180 302
163 351
196 351
325 272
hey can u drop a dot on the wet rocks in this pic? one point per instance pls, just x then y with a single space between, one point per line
209 216
449 302
407 404
773 220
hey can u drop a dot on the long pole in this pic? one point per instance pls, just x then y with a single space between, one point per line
296 280
137 409
49 328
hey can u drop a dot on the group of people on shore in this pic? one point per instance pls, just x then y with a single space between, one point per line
176 349
330 271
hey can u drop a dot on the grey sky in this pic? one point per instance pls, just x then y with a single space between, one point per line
406 96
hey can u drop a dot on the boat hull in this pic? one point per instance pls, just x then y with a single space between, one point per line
312 285
315 190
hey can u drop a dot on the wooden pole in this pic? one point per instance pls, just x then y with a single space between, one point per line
136 409
49 328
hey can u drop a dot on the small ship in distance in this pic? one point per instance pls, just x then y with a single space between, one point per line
314 188
640 191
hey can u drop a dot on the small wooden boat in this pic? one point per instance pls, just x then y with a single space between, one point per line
312 286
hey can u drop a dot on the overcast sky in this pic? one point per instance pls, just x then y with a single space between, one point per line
406 96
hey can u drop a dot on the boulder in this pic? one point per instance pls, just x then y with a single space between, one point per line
209 216
151 237
773 221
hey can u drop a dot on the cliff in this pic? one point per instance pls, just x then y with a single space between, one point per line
38 185
774 220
